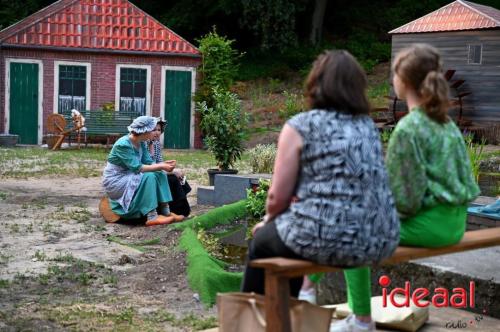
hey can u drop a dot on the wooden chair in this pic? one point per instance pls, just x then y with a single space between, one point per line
279 270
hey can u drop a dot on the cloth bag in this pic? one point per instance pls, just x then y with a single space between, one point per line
408 319
244 312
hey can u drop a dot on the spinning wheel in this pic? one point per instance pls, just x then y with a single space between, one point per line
56 124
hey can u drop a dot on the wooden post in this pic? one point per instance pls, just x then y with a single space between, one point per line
277 303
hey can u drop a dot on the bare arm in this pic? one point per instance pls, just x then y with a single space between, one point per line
165 166
286 171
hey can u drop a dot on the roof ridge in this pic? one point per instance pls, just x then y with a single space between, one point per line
49 11
163 25
467 4
417 19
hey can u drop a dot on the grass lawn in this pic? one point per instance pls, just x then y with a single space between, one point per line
39 162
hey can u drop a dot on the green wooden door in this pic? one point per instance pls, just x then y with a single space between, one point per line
23 102
177 109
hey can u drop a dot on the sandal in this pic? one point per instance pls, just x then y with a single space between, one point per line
160 220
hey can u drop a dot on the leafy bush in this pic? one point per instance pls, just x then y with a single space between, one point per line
220 65
256 200
294 104
366 48
262 158
385 135
475 152
224 127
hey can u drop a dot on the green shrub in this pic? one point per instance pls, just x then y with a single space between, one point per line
294 104
475 152
262 158
366 48
385 135
219 67
256 200
224 127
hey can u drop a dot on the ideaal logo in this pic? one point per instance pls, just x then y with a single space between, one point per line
439 297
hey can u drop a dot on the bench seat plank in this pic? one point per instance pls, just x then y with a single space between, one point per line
295 267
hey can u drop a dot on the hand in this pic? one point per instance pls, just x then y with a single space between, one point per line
257 226
168 167
171 162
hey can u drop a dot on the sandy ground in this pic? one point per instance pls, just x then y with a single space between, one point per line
51 225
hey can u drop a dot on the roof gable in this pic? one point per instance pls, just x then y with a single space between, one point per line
456 16
115 25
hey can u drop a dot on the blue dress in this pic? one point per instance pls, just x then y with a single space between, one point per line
133 194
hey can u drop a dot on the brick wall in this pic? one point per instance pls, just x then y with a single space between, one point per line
103 69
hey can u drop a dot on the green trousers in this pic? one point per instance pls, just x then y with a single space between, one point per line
439 226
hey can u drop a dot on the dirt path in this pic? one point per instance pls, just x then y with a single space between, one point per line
62 268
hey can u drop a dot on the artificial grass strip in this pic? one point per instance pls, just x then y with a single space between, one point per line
218 216
206 275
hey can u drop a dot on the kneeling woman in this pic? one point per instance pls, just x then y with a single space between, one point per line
134 184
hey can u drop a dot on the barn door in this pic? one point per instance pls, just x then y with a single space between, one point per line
23 102
177 109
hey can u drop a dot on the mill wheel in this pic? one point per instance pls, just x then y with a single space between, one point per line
56 123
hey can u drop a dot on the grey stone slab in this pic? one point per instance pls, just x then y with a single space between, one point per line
205 195
231 188
478 264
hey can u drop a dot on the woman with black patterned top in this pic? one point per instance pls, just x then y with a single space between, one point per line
331 159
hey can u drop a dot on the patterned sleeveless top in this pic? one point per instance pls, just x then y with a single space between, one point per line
345 215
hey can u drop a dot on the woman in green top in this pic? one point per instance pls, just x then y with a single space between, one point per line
429 171
135 185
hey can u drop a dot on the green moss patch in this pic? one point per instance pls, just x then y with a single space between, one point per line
206 274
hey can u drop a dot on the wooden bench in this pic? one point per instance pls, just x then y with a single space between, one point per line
279 270
111 124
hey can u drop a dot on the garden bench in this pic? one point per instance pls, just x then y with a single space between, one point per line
111 124
279 271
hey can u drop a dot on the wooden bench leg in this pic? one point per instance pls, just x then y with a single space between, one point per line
277 303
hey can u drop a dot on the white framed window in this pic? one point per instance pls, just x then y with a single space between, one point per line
475 54
133 88
71 86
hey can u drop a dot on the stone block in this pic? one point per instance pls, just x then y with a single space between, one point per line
205 195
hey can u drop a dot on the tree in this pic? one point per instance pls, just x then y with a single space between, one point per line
317 22
272 21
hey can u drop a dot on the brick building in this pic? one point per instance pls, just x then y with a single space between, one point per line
84 54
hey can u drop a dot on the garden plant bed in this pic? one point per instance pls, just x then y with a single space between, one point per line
215 265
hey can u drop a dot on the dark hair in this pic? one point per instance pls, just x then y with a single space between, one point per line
420 66
336 80
163 124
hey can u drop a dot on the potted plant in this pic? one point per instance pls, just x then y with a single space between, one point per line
224 128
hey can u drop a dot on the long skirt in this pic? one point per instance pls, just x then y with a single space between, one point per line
152 191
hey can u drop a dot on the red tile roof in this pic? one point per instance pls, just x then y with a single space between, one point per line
456 16
116 25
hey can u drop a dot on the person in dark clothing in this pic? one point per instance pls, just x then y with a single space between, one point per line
179 187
